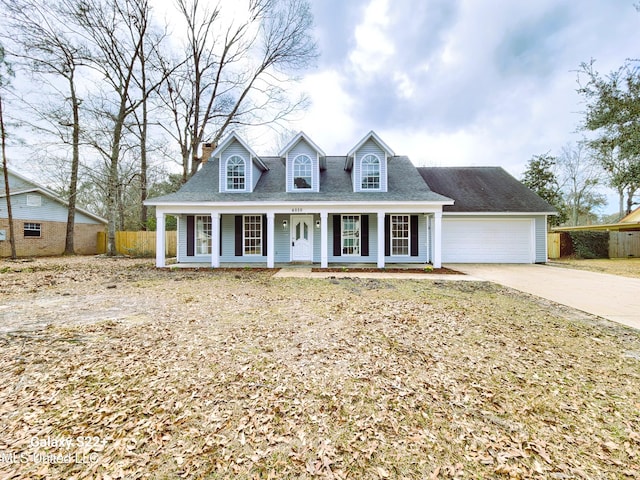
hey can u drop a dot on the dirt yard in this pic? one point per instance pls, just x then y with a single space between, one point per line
113 369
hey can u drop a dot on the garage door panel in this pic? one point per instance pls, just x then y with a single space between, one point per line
487 241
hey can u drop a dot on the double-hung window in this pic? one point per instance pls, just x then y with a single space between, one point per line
203 235
32 229
302 172
235 173
370 173
400 236
252 237
351 235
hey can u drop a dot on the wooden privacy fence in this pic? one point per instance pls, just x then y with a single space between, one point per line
621 245
553 245
139 244
624 244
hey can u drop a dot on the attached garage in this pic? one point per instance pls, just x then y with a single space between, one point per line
494 218
488 240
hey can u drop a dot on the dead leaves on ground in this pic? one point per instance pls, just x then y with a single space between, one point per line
255 377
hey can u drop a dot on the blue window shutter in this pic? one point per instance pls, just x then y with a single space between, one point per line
387 235
264 235
364 235
337 235
191 235
413 226
238 236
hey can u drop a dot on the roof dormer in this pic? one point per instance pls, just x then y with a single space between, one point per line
303 159
367 162
239 166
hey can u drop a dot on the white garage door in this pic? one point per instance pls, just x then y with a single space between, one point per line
490 240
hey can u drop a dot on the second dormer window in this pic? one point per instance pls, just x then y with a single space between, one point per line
302 168
235 173
370 173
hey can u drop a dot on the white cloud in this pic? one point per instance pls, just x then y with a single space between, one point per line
328 121
405 86
373 45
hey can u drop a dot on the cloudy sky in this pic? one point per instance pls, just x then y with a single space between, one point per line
470 82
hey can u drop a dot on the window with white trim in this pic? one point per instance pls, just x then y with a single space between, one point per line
252 235
400 236
370 172
302 172
32 229
235 173
203 235
350 235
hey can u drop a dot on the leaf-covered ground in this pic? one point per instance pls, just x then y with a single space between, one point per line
233 374
626 267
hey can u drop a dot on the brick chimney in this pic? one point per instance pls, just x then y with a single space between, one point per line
207 148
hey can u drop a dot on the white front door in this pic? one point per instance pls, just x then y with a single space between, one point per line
301 238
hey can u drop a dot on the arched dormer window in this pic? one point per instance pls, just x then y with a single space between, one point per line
302 171
235 173
370 172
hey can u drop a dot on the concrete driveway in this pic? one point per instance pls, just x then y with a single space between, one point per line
608 296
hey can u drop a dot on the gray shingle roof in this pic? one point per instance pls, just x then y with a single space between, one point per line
483 189
404 184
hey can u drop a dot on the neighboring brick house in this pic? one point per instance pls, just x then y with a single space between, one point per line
40 221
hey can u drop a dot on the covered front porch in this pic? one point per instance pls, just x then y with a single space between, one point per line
325 238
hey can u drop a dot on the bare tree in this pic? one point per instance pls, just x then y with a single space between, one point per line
579 176
237 69
150 68
116 29
5 71
50 50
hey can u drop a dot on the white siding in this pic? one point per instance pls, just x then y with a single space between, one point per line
236 148
373 245
541 239
48 211
369 148
182 245
303 148
423 253
16 183
255 175
282 241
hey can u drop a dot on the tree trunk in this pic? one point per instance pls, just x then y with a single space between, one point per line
630 193
112 184
5 169
143 146
621 202
69 248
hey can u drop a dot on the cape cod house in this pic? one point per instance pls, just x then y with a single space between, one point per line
370 206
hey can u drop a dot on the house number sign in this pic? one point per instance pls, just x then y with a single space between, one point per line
297 210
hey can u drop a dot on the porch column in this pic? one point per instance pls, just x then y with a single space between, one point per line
160 235
428 244
380 239
437 240
270 240
324 238
215 240
178 218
